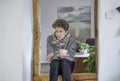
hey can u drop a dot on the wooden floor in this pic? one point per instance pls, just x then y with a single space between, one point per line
75 77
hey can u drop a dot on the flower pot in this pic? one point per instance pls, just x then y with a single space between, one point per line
84 51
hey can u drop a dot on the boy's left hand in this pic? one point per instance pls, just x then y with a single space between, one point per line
63 56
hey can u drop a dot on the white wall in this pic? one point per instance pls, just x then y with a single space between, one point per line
11 38
15 40
27 44
109 42
49 15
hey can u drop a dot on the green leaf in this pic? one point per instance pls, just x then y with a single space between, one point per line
85 60
90 61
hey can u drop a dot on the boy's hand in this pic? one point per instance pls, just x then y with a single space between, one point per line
49 56
63 56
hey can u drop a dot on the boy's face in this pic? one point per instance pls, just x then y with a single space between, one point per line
60 33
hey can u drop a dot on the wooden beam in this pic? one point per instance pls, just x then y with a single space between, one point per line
96 31
36 38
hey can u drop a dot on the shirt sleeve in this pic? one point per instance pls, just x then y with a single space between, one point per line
72 48
50 49
49 46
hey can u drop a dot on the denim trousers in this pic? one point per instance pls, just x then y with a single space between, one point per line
62 67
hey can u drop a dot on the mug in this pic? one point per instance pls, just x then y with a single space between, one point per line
63 51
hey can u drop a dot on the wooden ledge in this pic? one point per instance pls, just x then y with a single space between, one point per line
75 77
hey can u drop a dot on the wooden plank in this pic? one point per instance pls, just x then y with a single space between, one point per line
75 77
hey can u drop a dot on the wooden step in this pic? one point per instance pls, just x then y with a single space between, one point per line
75 77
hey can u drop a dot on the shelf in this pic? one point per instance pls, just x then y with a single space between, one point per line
82 55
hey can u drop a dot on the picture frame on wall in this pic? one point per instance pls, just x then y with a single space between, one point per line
79 19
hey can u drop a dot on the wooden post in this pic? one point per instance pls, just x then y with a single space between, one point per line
36 38
96 31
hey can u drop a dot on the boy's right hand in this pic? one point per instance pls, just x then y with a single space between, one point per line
49 56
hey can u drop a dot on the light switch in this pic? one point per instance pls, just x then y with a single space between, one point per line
109 14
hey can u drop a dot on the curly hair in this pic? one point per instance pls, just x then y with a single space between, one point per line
61 23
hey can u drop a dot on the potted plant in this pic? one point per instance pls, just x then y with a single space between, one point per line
90 61
84 47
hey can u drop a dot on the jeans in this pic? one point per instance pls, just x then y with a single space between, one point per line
62 67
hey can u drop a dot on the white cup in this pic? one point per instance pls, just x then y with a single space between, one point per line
63 51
